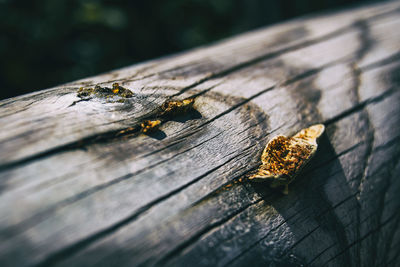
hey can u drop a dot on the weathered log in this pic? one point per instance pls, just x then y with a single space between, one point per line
81 184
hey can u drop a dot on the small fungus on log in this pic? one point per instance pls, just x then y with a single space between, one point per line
105 92
149 125
173 108
284 157
167 111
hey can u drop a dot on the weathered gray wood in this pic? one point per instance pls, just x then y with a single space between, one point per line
76 191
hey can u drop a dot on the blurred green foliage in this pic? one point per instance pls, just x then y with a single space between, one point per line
49 42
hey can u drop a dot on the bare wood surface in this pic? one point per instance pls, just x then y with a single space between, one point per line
81 186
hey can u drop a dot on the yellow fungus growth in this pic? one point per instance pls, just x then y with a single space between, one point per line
115 88
172 108
105 92
127 130
149 125
284 157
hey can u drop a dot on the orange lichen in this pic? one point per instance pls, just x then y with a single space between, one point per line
121 91
105 92
127 130
310 134
284 157
165 113
172 108
149 125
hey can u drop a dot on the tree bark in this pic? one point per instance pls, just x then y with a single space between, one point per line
81 185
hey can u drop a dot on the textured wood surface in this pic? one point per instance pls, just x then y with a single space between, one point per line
81 186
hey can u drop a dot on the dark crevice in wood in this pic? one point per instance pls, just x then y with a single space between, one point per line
344 152
286 221
177 250
80 144
375 230
366 43
320 254
74 248
39 217
309 73
360 106
308 234
217 190
327 249
13 112
379 212
243 102
254 244
380 63
388 144
389 242
372 215
80 100
206 90
255 126
372 212
40 95
100 138
337 205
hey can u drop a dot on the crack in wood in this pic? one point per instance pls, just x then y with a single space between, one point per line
366 43
389 241
320 254
77 246
254 244
177 250
39 217
162 112
361 106
362 238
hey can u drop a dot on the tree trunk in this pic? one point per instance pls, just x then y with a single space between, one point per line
82 185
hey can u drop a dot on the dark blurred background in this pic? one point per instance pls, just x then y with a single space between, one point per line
49 42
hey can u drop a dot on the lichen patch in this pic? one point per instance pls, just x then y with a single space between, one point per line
177 107
166 112
105 92
149 125
284 157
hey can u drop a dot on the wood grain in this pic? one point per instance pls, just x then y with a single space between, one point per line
81 186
